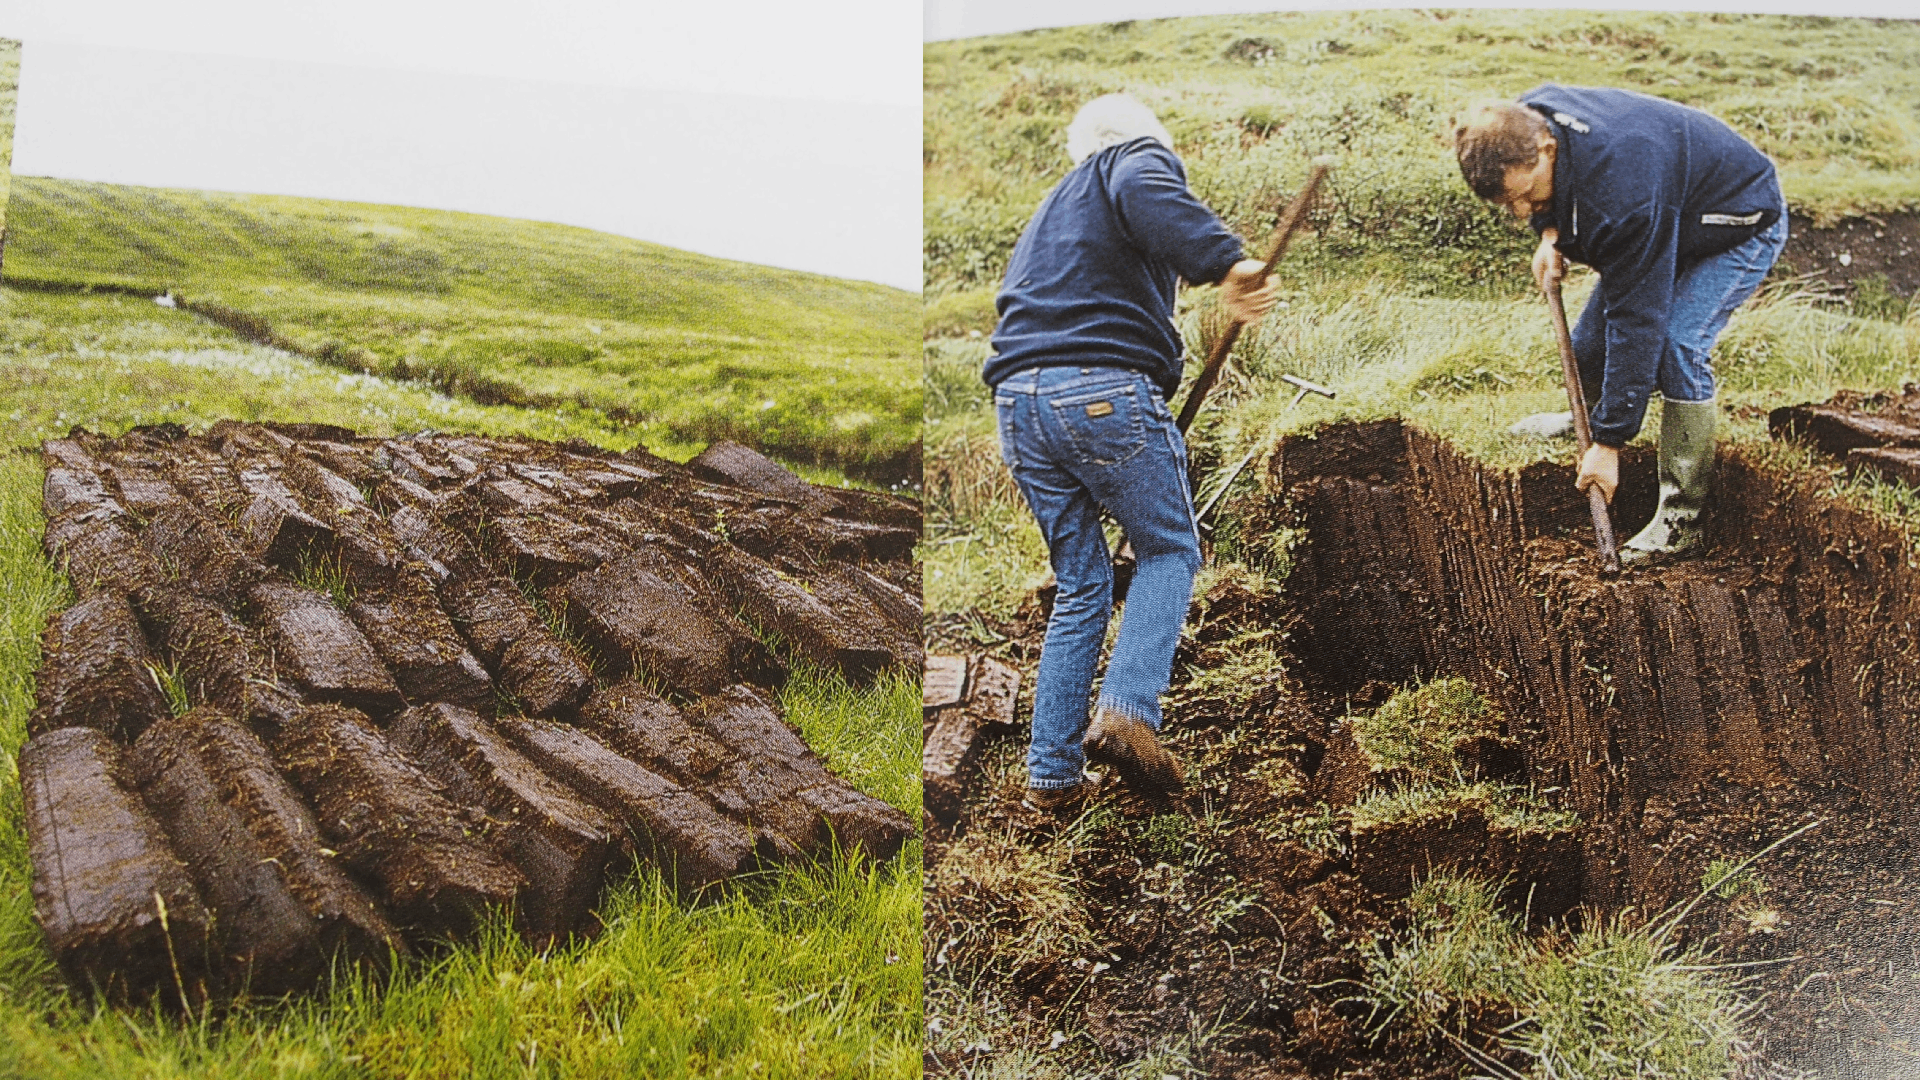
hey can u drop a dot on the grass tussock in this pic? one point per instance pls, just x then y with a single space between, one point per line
1617 999
1419 731
1510 807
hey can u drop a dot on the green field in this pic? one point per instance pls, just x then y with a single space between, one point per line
664 346
805 973
9 93
1409 298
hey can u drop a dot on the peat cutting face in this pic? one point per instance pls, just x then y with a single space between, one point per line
329 697
1661 720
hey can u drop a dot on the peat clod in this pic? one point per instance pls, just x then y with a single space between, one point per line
560 843
302 586
283 911
120 912
96 671
667 826
730 463
640 616
972 697
807 626
1541 868
321 650
391 823
772 762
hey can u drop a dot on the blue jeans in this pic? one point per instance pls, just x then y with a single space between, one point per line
1080 440
1704 296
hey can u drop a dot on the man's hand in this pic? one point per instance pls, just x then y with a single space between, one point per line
1246 292
1599 465
1548 263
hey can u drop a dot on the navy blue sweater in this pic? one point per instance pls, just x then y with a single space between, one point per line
1092 278
1643 188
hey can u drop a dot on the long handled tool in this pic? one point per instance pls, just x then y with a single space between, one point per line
1290 220
1577 398
1283 230
1234 473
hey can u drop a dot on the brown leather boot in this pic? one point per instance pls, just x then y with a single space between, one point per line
1063 800
1129 746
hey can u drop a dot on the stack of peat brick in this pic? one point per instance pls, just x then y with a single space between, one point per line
325 696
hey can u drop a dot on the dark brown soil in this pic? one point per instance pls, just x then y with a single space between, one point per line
1883 245
299 588
1685 713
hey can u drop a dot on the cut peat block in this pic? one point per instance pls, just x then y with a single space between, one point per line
770 758
324 652
283 911
391 823
694 848
1900 463
562 844
735 465
1836 429
419 645
215 656
98 552
120 912
640 620
808 627
96 671
964 700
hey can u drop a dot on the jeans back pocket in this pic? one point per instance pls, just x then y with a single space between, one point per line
1107 426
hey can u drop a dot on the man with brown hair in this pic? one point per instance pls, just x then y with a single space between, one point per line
1682 218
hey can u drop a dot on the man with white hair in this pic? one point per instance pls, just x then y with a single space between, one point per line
1086 356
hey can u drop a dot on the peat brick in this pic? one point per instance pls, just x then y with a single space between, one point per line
120 912
220 662
810 628
282 909
418 644
694 847
95 671
321 649
730 463
561 843
639 619
436 872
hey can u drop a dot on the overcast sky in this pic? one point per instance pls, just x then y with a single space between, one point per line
777 133
973 18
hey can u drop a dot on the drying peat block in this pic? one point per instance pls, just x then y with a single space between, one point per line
964 700
284 909
392 823
303 589
1900 463
560 843
668 826
119 910
96 671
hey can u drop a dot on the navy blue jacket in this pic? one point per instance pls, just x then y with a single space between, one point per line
1642 189
1092 278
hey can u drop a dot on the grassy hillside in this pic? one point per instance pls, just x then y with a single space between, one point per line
665 344
1250 99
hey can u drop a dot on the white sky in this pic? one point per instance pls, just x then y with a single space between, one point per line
945 19
777 133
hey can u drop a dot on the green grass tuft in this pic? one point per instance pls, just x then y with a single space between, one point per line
1418 730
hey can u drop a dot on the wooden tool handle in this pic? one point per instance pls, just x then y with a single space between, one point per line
1582 427
1290 220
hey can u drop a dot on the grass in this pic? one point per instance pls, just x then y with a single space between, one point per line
1418 730
1505 806
1250 99
808 972
637 339
1617 999
9 94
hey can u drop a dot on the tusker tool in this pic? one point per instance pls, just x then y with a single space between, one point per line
1582 426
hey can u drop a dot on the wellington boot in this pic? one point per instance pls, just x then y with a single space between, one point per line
1129 746
1686 479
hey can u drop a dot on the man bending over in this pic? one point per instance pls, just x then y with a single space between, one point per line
1682 218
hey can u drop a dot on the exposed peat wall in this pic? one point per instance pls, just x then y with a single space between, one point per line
1785 658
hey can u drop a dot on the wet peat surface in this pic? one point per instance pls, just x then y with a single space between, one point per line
325 697
1685 713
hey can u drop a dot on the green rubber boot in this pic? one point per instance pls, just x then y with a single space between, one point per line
1686 478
